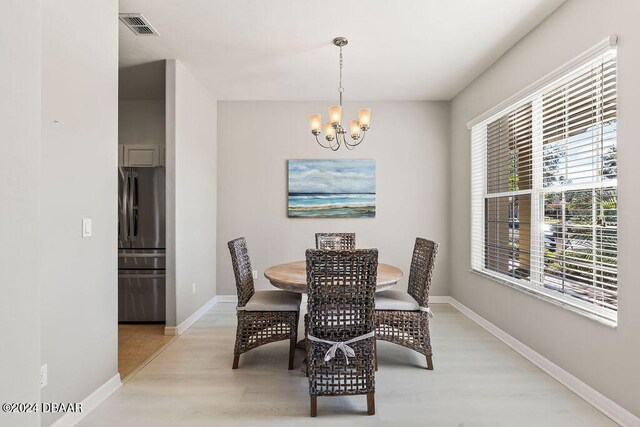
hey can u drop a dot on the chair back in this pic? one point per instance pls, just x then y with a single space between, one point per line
422 263
340 288
242 270
335 240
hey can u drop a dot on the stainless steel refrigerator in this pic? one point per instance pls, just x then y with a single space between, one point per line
141 244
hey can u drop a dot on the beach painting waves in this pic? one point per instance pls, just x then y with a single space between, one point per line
332 188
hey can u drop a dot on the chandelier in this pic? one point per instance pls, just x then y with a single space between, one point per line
333 129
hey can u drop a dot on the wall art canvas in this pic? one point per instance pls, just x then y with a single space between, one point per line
332 189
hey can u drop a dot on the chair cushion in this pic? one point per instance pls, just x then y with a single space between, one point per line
395 300
273 301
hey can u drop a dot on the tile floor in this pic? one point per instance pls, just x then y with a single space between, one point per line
136 343
477 381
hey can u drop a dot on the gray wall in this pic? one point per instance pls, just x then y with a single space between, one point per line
191 192
143 81
604 358
408 140
19 191
141 122
79 180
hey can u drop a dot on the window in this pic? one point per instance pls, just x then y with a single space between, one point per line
544 190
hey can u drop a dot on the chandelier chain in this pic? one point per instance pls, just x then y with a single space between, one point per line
340 88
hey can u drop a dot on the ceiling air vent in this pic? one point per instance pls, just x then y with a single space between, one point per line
138 24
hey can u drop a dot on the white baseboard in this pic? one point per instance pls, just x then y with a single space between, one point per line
90 403
599 401
186 324
439 299
228 298
171 330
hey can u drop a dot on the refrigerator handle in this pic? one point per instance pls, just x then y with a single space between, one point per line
135 209
125 204
130 206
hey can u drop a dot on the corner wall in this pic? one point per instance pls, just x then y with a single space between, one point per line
78 275
409 142
20 110
604 358
191 193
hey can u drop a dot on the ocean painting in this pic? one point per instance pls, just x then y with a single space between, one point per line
332 189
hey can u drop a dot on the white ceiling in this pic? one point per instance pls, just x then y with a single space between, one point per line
282 50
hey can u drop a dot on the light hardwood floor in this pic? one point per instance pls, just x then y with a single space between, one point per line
477 381
136 344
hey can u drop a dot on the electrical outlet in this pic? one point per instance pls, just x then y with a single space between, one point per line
193 287
255 274
43 376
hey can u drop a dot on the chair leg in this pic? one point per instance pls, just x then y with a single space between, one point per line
429 363
314 405
292 351
306 345
371 404
236 359
375 353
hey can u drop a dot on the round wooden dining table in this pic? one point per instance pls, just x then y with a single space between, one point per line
292 276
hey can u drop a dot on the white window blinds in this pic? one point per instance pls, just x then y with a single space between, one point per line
544 190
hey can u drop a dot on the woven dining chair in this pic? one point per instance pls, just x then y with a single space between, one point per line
342 240
403 317
263 316
340 325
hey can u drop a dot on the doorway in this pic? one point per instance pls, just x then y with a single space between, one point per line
141 216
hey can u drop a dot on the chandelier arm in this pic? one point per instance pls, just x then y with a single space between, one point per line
344 141
358 142
331 146
364 133
320 143
337 144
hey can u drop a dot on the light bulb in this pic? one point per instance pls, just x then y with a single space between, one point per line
329 131
364 117
355 129
335 114
315 122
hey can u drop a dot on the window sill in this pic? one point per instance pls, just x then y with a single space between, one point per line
604 321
